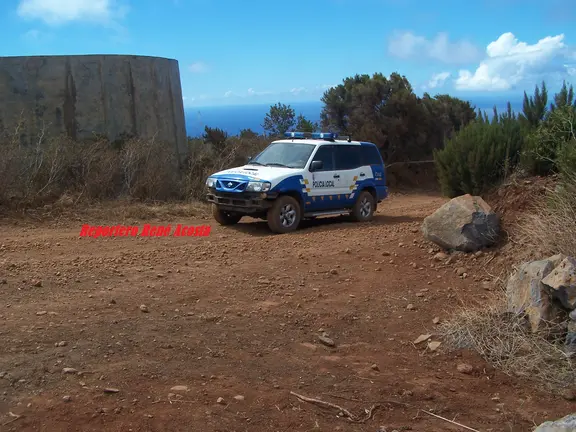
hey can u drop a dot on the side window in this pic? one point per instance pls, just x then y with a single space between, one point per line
370 155
326 155
348 157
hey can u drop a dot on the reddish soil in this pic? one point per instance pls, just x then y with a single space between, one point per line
238 313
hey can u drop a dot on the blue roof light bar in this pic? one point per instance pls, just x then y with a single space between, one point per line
295 134
325 135
329 136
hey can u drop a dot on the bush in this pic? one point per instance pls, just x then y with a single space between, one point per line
480 155
134 169
504 340
550 147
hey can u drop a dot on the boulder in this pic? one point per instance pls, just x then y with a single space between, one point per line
465 223
563 281
527 294
565 424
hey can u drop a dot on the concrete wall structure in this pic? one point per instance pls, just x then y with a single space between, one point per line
80 96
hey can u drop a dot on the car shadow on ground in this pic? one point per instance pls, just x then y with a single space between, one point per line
256 227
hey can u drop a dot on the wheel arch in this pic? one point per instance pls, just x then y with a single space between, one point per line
371 189
293 194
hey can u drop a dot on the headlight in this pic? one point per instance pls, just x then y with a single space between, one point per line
210 182
258 187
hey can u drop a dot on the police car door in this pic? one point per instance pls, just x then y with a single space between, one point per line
325 185
348 162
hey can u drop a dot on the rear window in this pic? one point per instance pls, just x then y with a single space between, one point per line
370 155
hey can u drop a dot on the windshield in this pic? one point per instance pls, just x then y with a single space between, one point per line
290 155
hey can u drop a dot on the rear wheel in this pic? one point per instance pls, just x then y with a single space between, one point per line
284 215
364 207
225 217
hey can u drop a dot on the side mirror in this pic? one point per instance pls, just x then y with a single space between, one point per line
249 158
316 165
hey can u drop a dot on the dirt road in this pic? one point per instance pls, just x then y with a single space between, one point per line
233 319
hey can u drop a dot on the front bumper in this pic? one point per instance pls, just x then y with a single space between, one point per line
244 202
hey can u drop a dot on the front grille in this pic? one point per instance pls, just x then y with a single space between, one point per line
231 185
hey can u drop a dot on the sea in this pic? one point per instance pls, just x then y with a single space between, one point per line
232 119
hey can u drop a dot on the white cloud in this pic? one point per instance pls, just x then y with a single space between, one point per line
198 67
252 92
298 90
407 45
437 80
56 12
510 63
228 93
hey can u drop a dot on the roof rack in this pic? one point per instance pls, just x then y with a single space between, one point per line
328 136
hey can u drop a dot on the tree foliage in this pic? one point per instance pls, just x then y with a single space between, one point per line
540 140
305 125
215 136
386 111
280 119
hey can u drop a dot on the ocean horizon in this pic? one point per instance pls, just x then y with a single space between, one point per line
232 119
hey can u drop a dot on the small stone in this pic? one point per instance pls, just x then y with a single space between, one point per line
573 315
69 371
385 253
568 394
333 271
326 340
460 271
111 390
179 388
440 256
41 313
144 308
347 251
67 398
436 320
375 367
433 346
61 344
220 401
159 275
465 368
410 307
239 397
37 283
3 281
422 338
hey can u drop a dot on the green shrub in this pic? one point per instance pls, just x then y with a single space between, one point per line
550 147
480 155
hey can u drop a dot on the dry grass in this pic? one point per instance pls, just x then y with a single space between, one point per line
57 173
548 228
504 340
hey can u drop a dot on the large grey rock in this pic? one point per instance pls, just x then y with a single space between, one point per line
563 281
465 223
527 294
565 424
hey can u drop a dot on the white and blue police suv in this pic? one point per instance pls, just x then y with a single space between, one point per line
303 176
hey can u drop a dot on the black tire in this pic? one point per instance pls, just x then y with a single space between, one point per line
364 207
285 215
225 217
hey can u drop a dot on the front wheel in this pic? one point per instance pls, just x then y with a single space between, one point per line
364 207
224 217
284 215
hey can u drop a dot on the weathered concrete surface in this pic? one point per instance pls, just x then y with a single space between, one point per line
80 96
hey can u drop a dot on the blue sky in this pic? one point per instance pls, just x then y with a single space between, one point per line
256 51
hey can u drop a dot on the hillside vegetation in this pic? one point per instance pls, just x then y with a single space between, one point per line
471 153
